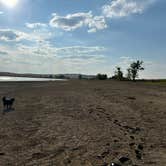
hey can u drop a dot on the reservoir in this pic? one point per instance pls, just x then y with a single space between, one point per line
9 78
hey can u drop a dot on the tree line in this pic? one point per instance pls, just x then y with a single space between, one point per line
132 72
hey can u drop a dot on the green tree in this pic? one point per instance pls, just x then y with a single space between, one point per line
79 76
101 76
134 69
118 74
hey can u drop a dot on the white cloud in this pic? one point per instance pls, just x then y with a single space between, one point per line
122 8
3 53
1 12
36 25
74 21
73 53
97 23
114 9
79 50
12 35
45 58
154 70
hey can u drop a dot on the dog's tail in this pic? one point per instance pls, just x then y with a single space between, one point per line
12 99
4 98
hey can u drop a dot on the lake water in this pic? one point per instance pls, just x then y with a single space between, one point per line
8 78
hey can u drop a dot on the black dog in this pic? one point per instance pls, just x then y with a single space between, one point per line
8 102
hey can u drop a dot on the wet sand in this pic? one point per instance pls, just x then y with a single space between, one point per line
83 123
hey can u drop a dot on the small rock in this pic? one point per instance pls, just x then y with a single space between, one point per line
99 157
140 147
38 155
116 140
105 164
124 159
132 98
135 130
2 154
67 161
132 144
132 137
76 148
105 153
138 154
115 121
107 144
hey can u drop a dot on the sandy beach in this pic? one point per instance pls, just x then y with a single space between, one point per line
83 123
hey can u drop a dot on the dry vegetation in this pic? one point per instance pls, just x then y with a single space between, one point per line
84 123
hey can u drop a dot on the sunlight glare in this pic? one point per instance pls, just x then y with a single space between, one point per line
10 3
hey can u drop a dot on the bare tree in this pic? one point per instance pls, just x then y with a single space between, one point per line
129 75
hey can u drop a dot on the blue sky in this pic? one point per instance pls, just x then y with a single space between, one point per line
90 37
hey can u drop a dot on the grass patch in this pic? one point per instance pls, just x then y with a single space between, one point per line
156 82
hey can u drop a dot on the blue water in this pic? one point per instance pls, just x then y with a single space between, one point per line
8 78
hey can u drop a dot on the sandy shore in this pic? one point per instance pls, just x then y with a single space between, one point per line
83 123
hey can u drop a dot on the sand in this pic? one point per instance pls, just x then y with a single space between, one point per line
83 123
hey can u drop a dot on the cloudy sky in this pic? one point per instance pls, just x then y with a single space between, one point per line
82 36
